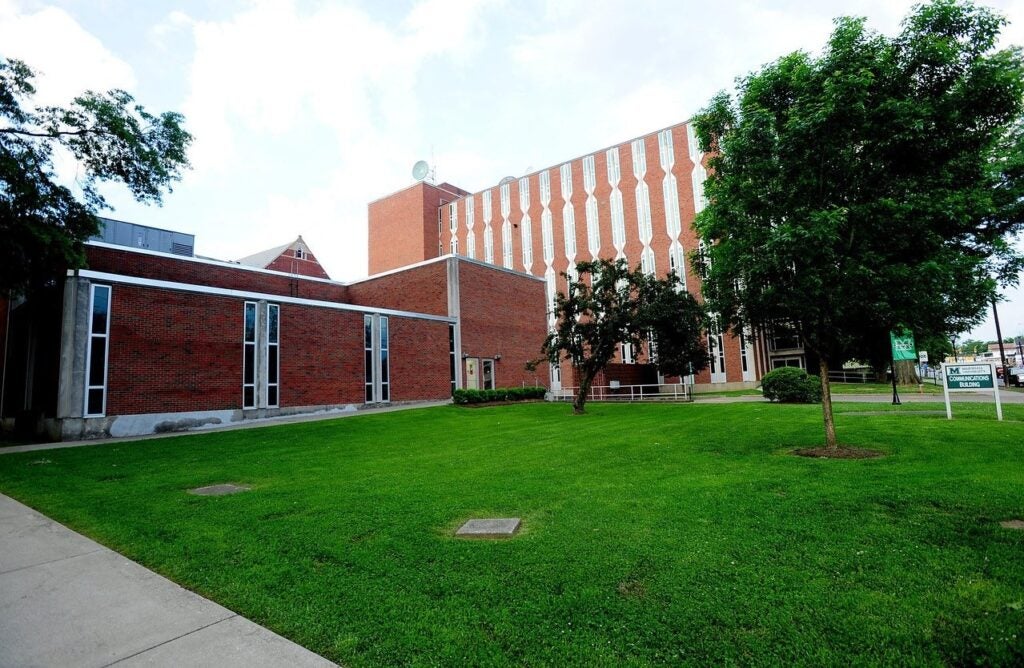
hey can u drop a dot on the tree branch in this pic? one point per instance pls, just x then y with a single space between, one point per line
52 135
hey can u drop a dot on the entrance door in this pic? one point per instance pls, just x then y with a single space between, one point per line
488 374
472 373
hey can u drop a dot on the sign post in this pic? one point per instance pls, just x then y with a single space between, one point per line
970 378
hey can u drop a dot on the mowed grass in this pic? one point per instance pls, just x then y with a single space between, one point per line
652 533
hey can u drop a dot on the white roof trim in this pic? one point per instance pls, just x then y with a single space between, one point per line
215 263
245 294
445 258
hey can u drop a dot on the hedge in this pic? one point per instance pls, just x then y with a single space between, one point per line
463 397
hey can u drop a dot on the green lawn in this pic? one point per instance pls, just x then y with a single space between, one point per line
652 533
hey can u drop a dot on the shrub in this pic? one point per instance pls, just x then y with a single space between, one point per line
463 397
790 385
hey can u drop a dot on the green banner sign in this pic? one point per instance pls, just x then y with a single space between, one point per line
970 377
903 346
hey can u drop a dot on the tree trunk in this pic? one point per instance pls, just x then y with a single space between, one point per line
580 401
826 405
906 373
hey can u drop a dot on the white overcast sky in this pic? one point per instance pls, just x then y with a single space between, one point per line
303 112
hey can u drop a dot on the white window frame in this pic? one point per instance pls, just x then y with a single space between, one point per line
105 336
245 345
276 345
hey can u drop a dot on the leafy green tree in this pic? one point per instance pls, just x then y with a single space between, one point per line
606 305
42 224
870 188
973 347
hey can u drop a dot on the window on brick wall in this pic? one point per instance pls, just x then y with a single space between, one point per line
273 355
627 353
376 357
96 354
452 364
249 355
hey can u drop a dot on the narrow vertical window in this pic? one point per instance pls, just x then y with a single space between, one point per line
451 355
273 354
385 375
96 354
368 356
249 355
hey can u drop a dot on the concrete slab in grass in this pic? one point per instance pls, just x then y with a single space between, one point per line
219 490
1013 524
489 528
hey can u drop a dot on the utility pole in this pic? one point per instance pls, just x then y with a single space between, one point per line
999 336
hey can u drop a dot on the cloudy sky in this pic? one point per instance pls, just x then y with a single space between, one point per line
303 112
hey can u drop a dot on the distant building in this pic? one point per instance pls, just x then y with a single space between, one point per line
636 201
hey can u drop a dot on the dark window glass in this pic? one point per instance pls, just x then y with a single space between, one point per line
100 307
451 338
369 394
384 333
250 367
95 402
272 313
272 364
248 397
384 366
367 332
272 395
250 322
385 395
369 366
97 360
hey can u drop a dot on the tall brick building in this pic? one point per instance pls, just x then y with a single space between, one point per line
636 200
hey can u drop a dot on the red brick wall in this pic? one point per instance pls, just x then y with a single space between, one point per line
502 313
419 359
403 226
421 289
173 351
184 270
305 266
321 356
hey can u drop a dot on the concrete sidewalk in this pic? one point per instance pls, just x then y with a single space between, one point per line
68 601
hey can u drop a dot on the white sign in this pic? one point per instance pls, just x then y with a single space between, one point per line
970 378
922 356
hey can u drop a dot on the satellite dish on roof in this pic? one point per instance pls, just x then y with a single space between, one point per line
507 179
420 170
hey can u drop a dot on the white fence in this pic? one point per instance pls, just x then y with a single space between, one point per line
652 392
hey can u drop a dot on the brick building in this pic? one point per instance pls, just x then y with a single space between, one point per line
636 200
145 341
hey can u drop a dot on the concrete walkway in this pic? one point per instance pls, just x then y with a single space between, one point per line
68 601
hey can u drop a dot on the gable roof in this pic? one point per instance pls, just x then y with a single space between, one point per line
265 257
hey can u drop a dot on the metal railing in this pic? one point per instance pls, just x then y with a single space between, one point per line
651 392
854 376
